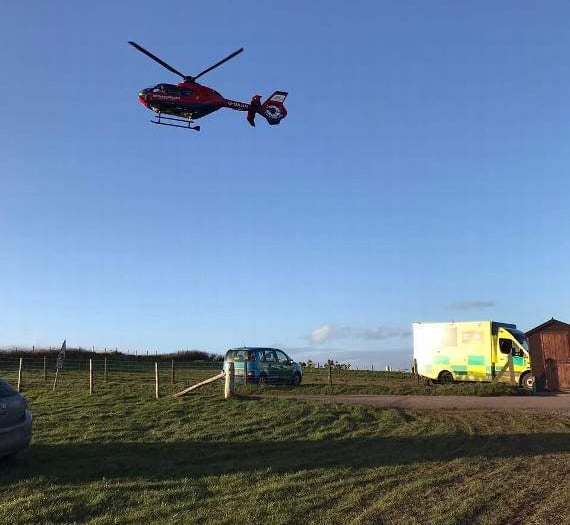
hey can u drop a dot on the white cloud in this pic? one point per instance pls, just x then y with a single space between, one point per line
322 334
383 333
330 332
473 305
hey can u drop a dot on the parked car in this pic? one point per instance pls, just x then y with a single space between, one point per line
264 365
15 421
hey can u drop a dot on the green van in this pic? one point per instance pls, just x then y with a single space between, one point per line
263 365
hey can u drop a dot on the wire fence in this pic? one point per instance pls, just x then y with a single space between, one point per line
156 376
87 374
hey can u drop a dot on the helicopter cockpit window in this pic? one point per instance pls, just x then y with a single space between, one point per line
168 89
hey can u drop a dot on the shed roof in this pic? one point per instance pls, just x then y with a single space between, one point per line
545 324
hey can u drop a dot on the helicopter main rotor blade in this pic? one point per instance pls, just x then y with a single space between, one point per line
156 59
229 57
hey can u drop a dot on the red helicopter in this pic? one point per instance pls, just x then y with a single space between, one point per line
188 100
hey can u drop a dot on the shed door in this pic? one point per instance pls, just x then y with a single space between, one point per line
556 350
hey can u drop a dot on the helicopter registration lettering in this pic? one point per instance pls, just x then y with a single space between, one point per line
237 105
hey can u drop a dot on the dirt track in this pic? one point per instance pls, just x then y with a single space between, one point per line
537 402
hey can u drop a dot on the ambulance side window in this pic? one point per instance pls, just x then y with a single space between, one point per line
505 345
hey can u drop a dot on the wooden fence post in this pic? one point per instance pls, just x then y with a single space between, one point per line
172 372
90 376
157 380
511 369
45 368
229 384
20 374
330 375
105 369
55 379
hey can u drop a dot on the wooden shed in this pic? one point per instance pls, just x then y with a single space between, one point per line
550 355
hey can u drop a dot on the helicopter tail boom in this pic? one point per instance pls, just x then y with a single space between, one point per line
272 109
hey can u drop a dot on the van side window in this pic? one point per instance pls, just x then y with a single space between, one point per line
505 345
281 357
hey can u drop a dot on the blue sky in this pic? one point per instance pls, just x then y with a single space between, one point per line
421 174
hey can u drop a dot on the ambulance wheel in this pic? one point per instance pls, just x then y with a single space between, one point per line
527 381
445 378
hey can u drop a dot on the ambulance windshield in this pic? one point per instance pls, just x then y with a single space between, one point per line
520 337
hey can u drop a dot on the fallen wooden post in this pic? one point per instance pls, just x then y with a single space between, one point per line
198 385
508 366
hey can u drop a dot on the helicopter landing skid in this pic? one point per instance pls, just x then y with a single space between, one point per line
187 122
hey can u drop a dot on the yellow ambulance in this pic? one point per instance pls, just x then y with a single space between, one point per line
472 351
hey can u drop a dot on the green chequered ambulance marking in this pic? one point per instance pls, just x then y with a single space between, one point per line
474 360
441 360
459 370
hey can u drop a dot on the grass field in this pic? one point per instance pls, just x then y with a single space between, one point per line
121 456
315 381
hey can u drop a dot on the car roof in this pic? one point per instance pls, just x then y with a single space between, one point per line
254 348
6 389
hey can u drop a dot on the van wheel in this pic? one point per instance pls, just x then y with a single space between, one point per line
296 379
445 378
527 381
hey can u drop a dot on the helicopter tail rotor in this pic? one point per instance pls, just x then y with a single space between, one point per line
272 109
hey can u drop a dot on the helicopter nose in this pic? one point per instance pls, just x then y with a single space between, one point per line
143 97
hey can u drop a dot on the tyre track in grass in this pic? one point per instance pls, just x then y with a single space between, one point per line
541 402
